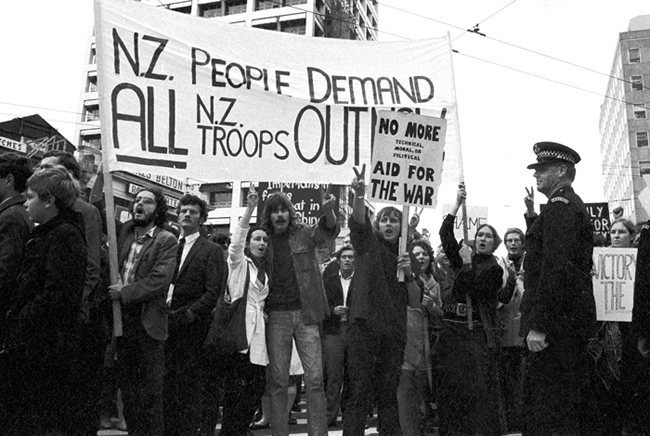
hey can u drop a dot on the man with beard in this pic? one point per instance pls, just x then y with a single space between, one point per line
196 286
558 313
296 305
147 255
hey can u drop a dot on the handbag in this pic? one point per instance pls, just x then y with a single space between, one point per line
227 334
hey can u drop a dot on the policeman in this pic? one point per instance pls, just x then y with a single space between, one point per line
558 308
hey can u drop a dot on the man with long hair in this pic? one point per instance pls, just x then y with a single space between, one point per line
147 258
296 304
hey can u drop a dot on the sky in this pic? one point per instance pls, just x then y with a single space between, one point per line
508 100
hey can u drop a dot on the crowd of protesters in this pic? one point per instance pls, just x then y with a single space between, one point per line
442 335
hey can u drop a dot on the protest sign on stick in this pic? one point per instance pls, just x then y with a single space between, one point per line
407 159
614 273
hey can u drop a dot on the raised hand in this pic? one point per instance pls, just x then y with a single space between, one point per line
529 201
328 200
252 197
359 182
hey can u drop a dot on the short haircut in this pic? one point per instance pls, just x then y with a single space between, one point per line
193 200
495 235
339 253
516 230
387 211
55 183
160 214
275 202
67 160
18 166
221 238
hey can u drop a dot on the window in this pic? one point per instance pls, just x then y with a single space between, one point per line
91 113
211 10
639 112
92 141
266 26
294 26
221 199
267 4
634 56
93 56
235 7
91 85
183 9
637 83
641 139
294 2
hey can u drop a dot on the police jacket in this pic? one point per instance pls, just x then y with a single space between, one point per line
559 299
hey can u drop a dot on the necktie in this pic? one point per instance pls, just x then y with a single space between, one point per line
179 257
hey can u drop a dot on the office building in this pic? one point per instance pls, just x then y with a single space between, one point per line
625 124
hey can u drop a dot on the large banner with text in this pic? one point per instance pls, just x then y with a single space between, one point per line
193 97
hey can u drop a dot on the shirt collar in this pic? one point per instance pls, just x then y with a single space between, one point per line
193 237
343 278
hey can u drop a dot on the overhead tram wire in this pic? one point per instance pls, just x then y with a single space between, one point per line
508 43
278 2
484 20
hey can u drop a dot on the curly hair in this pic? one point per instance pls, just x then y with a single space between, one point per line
193 200
427 249
160 214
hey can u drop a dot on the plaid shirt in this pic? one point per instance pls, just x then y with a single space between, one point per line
133 259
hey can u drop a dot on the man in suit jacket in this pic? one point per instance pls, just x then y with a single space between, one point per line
195 288
14 231
337 279
147 259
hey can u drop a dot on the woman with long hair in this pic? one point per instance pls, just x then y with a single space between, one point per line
468 343
244 372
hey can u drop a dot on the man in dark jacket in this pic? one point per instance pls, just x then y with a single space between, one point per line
147 258
296 304
14 227
558 308
337 280
196 286
46 306
14 231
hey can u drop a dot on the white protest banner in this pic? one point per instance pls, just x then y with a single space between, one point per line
615 269
189 96
476 217
407 159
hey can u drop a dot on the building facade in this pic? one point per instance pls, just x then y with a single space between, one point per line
345 19
625 124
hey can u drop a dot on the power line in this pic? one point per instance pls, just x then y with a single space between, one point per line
39 107
483 21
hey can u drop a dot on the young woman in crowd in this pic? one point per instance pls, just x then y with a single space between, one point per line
244 372
423 312
376 334
46 308
619 383
467 347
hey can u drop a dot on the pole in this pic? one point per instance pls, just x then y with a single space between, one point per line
112 247
403 241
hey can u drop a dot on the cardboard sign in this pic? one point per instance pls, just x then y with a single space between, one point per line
182 95
306 199
599 215
476 217
614 272
407 159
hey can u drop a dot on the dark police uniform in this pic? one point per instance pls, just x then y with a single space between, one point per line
559 302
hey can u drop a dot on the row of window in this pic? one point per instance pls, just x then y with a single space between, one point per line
232 7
